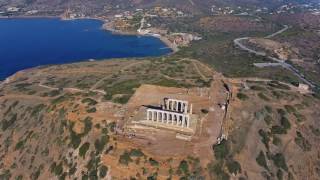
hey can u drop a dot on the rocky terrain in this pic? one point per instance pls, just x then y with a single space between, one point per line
57 122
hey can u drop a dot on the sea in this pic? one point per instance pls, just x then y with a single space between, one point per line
31 42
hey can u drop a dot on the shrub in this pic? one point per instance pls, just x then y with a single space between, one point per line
261 160
83 149
103 170
184 167
89 101
315 131
276 141
300 117
302 142
6 124
279 174
99 144
257 88
87 126
265 137
136 153
242 96
268 108
285 123
20 145
278 130
221 150
280 161
153 162
58 169
91 110
233 166
216 171
122 100
204 111
263 96
268 119
125 158
290 109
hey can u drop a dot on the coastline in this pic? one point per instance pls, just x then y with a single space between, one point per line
163 39
105 26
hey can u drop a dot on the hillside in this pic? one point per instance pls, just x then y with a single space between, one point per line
59 122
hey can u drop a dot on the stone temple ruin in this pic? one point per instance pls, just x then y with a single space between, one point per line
173 112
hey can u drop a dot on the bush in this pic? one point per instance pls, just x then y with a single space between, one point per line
285 123
257 88
184 167
233 167
242 96
89 101
278 130
91 110
302 142
268 119
265 137
290 109
136 153
268 108
263 96
216 171
279 174
103 170
99 144
221 150
125 158
261 160
83 149
204 111
153 162
123 99
279 161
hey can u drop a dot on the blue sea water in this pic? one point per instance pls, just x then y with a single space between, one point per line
26 43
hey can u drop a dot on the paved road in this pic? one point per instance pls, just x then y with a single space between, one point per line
238 42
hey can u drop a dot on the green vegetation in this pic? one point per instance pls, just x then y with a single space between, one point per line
263 96
302 142
122 99
183 167
91 110
100 144
233 166
216 171
153 162
315 131
242 96
83 149
279 174
8 123
136 153
103 170
89 101
125 158
221 150
261 160
279 161
265 137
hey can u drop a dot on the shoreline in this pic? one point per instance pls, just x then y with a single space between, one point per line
104 26
105 22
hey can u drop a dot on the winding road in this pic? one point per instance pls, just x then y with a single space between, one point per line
282 63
